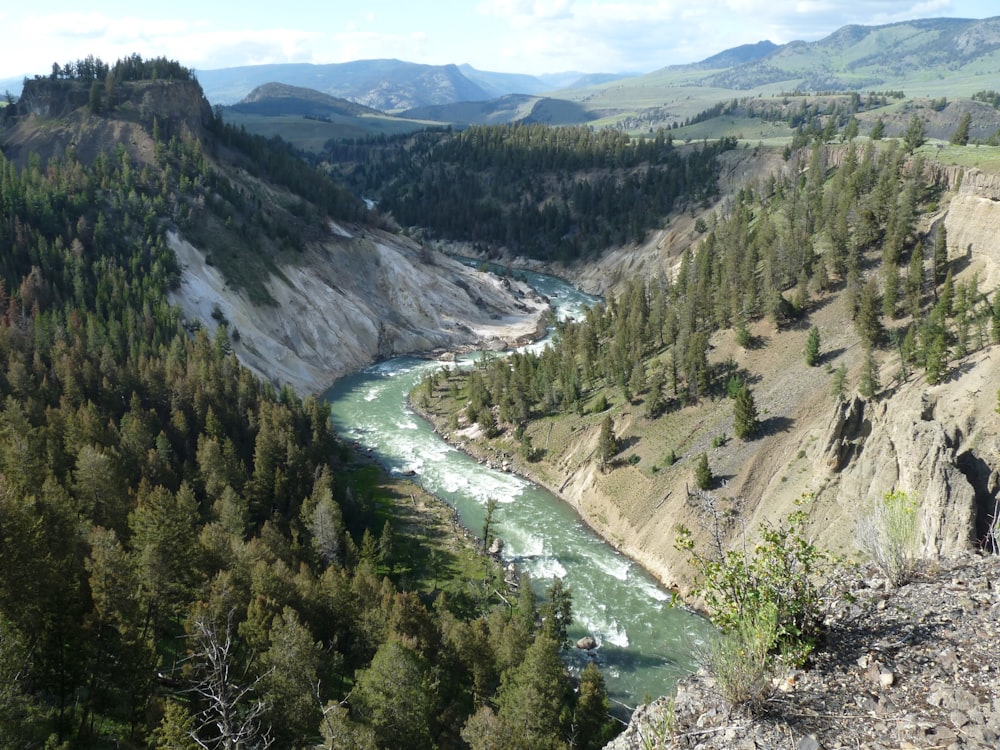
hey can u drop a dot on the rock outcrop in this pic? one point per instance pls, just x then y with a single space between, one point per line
927 441
913 667
53 116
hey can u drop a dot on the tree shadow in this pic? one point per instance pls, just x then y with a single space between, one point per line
957 372
624 443
774 425
818 304
721 481
828 357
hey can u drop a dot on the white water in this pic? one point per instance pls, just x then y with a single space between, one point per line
645 645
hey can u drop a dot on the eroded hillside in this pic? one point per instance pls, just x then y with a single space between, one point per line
353 297
937 441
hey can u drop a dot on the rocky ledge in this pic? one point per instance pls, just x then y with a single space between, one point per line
912 667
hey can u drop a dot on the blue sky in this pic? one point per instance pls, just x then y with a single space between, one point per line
517 36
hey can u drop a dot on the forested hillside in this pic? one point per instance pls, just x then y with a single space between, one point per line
561 194
825 292
189 558
777 248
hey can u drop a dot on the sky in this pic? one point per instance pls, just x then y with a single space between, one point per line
511 36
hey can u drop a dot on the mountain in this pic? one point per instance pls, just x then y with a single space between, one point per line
905 55
222 269
745 53
499 84
275 99
505 109
308 119
387 85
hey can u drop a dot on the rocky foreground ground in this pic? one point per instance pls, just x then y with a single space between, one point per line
913 667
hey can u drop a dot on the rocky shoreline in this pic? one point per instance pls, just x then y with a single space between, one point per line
912 667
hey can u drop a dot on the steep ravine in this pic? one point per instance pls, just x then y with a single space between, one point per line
358 296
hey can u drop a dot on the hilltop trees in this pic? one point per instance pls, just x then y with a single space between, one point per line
775 246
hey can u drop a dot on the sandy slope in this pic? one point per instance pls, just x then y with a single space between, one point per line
358 296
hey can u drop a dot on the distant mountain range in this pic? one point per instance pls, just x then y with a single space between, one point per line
928 57
387 85
854 58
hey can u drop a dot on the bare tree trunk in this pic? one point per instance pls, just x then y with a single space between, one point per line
230 719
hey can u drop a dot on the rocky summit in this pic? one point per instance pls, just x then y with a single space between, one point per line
910 667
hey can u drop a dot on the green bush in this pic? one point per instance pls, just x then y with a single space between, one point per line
887 533
784 570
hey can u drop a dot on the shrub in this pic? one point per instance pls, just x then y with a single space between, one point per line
887 533
740 658
784 569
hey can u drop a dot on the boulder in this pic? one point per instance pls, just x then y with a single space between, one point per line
587 643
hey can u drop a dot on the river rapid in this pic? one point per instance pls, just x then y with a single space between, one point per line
644 644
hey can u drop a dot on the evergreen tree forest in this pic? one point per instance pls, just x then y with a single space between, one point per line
188 557
554 193
770 252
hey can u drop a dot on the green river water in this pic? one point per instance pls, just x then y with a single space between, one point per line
645 645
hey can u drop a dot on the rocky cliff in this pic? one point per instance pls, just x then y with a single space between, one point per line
52 116
357 296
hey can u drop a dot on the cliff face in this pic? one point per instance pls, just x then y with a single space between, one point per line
54 115
358 296
47 98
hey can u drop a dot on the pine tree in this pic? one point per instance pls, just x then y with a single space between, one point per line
878 130
395 697
839 387
915 135
745 422
890 293
812 347
703 478
867 320
961 135
593 726
936 357
533 697
175 729
940 255
607 443
870 383
915 282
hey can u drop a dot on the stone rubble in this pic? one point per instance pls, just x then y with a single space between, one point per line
906 668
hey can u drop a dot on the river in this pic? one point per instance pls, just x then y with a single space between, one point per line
645 644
